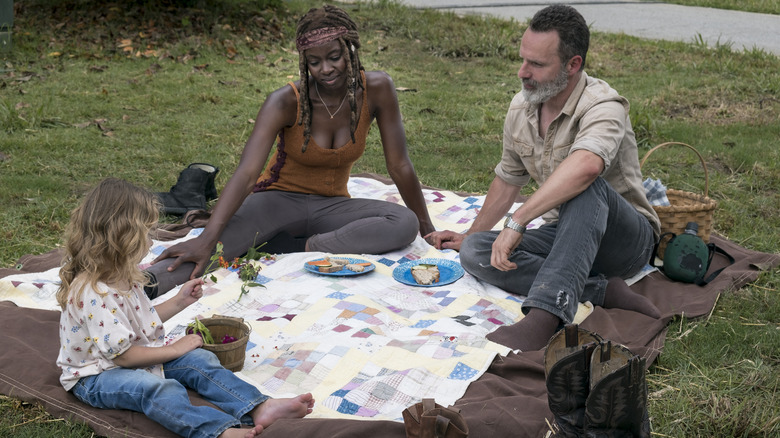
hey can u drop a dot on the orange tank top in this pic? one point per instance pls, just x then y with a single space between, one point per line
317 171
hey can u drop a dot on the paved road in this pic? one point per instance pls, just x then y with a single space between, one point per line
645 19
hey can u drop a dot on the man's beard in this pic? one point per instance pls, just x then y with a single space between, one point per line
542 92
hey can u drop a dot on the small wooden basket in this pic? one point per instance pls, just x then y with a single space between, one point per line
685 206
231 355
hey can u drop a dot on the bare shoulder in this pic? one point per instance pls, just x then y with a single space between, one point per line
283 98
381 90
378 82
280 107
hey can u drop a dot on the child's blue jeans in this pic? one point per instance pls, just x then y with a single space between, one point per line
165 400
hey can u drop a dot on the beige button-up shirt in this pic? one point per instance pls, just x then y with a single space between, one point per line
594 118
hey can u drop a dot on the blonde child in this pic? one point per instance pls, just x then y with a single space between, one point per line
113 354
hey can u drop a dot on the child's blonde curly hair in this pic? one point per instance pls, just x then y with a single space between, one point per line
107 237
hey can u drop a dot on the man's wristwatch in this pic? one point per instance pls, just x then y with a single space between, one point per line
509 223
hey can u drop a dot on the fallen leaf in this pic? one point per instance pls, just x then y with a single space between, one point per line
404 89
82 125
55 54
21 105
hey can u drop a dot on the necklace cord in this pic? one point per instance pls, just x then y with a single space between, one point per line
333 114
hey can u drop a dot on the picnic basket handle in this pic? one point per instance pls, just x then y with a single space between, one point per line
235 318
703 164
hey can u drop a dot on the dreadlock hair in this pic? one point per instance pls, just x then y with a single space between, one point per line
321 18
572 30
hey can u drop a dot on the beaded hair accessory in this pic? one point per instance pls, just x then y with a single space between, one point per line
318 37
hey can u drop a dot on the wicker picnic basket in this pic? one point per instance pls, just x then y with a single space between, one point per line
685 206
232 354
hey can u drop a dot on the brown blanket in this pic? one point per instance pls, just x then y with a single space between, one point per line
508 400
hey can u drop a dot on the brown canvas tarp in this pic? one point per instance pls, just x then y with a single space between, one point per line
508 400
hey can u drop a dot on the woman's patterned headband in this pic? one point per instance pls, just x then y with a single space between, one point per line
318 37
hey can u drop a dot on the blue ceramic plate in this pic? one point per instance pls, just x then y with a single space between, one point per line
344 272
449 272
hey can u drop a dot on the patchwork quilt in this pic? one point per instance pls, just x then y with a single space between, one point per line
367 346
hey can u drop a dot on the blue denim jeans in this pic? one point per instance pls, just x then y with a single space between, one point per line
166 401
598 235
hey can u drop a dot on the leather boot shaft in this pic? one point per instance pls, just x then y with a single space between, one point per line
567 369
617 403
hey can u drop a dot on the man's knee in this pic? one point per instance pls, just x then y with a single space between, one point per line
472 254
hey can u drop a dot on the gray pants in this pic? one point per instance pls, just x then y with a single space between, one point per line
329 224
598 235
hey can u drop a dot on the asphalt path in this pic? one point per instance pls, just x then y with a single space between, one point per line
644 19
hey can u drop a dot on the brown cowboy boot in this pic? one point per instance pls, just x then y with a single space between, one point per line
428 419
567 369
617 403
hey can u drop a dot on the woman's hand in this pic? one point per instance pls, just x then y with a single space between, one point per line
194 250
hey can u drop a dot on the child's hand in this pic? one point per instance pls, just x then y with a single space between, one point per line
191 291
187 343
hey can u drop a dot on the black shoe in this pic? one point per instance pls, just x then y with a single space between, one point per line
211 188
189 193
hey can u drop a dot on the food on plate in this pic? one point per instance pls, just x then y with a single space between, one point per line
337 261
425 274
355 267
330 268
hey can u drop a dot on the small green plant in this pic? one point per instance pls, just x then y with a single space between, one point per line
247 266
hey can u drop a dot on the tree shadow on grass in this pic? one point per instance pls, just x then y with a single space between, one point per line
147 28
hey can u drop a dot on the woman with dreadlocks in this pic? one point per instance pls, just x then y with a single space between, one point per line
300 201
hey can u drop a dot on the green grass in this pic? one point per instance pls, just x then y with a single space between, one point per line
762 6
77 106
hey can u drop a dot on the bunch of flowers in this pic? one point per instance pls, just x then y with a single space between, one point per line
247 266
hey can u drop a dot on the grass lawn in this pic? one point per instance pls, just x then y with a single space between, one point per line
140 89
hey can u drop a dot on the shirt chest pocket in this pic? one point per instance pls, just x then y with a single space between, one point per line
523 148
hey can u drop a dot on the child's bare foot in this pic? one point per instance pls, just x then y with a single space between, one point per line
235 432
275 408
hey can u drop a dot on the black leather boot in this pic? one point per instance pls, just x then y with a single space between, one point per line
211 188
189 193
567 362
617 403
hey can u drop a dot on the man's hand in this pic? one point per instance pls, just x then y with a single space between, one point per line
505 243
445 239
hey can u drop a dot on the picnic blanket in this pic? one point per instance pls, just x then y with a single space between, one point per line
367 346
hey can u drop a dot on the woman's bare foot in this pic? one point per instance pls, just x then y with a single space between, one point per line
620 296
530 333
275 408
235 432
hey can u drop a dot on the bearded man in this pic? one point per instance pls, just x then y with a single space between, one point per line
571 133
